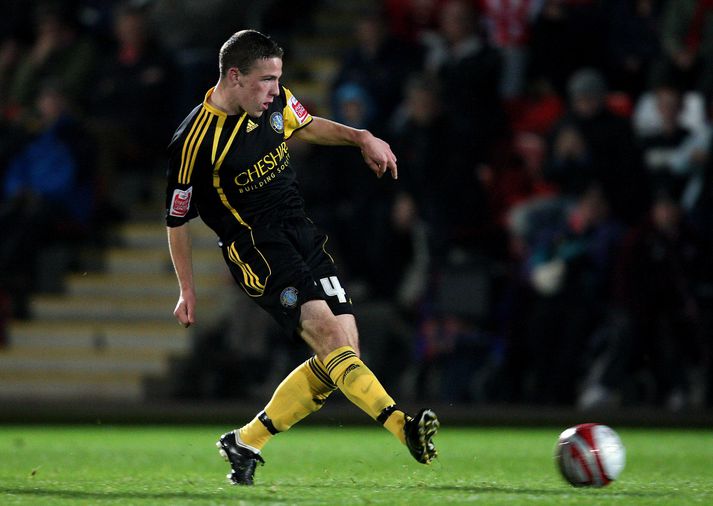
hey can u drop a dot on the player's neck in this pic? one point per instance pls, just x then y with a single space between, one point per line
218 100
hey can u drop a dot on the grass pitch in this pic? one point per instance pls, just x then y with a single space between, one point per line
168 465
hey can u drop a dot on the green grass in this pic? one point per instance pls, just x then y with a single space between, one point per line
156 465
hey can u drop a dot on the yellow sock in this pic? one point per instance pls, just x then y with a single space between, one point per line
254 434
362 388
395 424
302 392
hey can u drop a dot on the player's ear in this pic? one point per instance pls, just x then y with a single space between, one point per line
235 76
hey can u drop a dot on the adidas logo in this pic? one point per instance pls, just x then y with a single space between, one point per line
251 126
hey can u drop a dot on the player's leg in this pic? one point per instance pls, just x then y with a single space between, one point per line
301 393
333 339
306 388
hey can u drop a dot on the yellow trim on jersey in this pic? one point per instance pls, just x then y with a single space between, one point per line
289 118
216 170
197 147
216 136
189 145
210 107
221 121
324 244
250 279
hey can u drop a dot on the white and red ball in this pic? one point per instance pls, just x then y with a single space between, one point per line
590 455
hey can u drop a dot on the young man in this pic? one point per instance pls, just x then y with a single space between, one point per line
229 163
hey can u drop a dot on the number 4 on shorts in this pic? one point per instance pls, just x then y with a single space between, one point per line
332 288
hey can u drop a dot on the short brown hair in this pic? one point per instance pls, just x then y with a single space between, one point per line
244 48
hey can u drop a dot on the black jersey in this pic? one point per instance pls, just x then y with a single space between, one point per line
234 170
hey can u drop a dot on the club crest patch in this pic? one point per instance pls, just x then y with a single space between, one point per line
288 297
277 123
181 202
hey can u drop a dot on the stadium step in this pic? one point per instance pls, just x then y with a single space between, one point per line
136 284
112 308
72 385
315 54
81 371
46 335
110 332
150 261
77 360
153 235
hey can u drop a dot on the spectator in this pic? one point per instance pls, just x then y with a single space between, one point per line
464 63
59 51
354 106
570 164
602 144
668 156
131 100
633 44
519 178
687 42
508 27
356 202
10 53
190 31
538 109
409 20
47 193
659 325
418 134
469 69
566 35
647 118
569 269
379 64
687 163
697 199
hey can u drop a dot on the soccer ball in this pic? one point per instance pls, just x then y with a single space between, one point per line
590 455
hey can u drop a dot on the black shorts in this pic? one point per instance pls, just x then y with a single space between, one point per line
282 265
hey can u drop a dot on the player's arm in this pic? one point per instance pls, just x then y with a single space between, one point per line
377 153
180 247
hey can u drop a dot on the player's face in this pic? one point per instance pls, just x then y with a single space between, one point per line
256 90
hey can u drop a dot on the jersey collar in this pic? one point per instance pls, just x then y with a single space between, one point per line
211 108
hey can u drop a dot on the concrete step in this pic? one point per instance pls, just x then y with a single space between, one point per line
122 261
153 235
99 385
107 308
76 360
168 337
138 285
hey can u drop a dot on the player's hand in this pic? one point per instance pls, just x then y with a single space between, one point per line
184 309
379 157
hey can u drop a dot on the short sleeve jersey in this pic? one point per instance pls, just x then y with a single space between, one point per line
234 170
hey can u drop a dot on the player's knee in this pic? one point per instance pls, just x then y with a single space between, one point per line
324 335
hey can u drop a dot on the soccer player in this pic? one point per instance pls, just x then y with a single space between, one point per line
230 164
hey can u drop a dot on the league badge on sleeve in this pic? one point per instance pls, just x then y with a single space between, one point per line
300 112
180 202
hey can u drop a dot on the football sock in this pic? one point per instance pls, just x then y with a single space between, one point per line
362 388
302 392
393 420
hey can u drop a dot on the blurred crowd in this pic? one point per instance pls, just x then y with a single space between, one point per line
549 238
